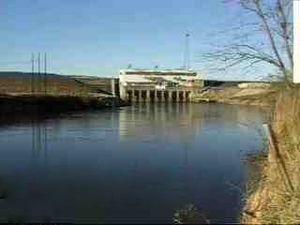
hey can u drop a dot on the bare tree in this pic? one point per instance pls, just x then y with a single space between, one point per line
272 20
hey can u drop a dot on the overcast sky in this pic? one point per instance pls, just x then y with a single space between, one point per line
99 37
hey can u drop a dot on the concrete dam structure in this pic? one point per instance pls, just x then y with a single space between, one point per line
138 85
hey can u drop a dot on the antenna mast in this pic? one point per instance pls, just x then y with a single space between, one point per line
45 73
39 73
186 57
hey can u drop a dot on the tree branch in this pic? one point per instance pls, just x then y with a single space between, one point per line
285 33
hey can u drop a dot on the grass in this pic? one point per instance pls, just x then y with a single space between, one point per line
235 95
54 86
274 202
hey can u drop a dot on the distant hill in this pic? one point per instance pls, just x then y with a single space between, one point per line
25 75
21 82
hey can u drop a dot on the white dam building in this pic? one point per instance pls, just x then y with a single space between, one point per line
156 85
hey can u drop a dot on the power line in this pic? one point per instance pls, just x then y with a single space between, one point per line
45 73
39 79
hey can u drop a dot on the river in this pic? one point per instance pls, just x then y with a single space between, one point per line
137 164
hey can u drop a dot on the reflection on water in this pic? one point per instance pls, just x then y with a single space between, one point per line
137 164
39 139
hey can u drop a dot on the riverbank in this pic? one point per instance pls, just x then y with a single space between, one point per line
21 104
234 95
276 200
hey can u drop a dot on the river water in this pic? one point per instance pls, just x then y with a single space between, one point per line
138 164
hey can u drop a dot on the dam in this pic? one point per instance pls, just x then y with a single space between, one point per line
139 85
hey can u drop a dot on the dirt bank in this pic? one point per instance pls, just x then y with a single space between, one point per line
235 95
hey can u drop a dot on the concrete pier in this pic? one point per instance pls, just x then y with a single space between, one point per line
155 96
148 95
184 96
162 96
169 96
140 96
113 89
177 96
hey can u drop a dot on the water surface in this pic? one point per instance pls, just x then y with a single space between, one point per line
137 164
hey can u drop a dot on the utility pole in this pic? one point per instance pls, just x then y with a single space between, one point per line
39 72
45 73
296 69
32 73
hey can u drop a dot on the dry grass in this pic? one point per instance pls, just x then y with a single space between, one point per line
54 86
275 201
235 95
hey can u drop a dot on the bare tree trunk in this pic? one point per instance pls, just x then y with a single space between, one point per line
284 27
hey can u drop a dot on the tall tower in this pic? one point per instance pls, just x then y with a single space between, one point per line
186 54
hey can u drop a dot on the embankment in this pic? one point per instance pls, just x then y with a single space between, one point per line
24 104
24 93
276 200
236 95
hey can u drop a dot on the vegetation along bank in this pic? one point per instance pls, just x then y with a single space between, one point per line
277 196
